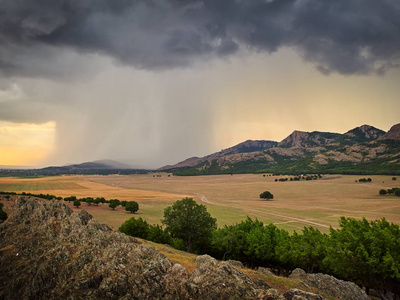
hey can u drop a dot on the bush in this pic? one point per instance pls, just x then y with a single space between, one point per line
266 195
132 206
135 227
383 192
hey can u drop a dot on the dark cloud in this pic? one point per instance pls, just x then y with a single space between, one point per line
344 36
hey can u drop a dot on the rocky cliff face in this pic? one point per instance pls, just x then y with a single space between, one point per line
49 252
393 133
229 154
295 139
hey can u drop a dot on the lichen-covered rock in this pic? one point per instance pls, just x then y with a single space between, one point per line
235 263
296 294
265 271
330 285
49 252
297 273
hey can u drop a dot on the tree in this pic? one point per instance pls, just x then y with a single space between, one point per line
189 221
266 195
140 228
394 178
114 203
77 203
69 199
382 192
132 206
366 252
135 227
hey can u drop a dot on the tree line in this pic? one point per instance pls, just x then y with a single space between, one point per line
131 206
362 251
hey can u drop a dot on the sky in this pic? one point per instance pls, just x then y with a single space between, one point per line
153 82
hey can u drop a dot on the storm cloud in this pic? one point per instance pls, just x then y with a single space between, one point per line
347 37
152 82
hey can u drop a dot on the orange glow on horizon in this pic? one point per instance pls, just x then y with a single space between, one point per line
25 144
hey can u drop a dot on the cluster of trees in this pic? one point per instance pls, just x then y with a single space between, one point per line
188 226
298 178
391 191
365 252
364 180
131 206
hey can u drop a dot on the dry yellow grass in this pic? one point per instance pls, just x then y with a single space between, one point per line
230 199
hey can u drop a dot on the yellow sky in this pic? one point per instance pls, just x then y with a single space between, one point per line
25 144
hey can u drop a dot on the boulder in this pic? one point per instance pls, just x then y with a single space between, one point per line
296 294
330 285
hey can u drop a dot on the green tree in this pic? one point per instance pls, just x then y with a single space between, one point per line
70 198
132 206
266 195
158 235
367 253
394 178
77 203
135 227
112 205
189 221
306 250
383 192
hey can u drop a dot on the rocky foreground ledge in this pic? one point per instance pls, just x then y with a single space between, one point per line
47 251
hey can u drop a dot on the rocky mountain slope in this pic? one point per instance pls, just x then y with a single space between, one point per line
49 252
248 146
364 149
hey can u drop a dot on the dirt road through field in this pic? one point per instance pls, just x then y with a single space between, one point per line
205 200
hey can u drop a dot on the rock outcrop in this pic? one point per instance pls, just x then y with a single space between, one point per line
393 133
49 252
365 133
330 285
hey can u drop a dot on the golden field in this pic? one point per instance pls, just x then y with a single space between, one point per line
319 203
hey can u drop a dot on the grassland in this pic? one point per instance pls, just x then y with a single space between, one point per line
228 198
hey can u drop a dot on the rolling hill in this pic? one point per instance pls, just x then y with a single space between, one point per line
361 150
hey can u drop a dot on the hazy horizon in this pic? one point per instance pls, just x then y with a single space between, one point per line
151 83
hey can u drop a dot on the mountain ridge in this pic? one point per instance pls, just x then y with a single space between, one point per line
361 149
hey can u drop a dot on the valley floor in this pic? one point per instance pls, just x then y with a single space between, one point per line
318 203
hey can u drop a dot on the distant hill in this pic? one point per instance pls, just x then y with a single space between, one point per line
102 167
361 150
